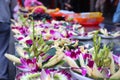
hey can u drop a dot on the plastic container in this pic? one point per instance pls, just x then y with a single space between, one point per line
58 15
89 18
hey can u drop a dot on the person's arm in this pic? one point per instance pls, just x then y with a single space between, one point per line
68 5
13 4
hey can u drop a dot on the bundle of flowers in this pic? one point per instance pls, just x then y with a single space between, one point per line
104 33
96 63
50 30
34 47
46 49
44 75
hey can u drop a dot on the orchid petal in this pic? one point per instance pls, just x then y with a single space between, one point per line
29 42
20 38
90 63
44 75
84 71
28 65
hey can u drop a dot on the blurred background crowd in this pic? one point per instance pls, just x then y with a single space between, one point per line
107 7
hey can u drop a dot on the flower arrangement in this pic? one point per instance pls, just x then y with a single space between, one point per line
34 45
106 34
46 51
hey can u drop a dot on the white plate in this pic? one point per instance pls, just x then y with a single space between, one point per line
82 37
66 11
106 37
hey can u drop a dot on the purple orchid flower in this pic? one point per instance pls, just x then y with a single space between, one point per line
52 32
55 35
74 54
84 71
116 59
69 34
24 31
44 75
20 38
43 32
44 25
106 72
66 74
18 76
56 26
69 27
28 65
90 63
61 73
86 56
29 42
28 75
84 34
15 27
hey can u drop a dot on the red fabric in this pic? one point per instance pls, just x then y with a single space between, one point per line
20 3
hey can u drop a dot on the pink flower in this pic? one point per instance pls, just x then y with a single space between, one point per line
84 34
39 10
20 38
24 31
116 59
28 65
67 76
55 34
69 34
74 54
90 63
87 55
29 42
84 71
29 3
106 72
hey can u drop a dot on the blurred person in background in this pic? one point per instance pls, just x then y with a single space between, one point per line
106 6
109 8
31 3
99 6
48 3
78 5
116 16
6 8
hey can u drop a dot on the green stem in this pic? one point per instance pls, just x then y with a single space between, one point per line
33 37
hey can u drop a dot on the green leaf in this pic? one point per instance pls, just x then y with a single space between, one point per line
49 42
51 51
